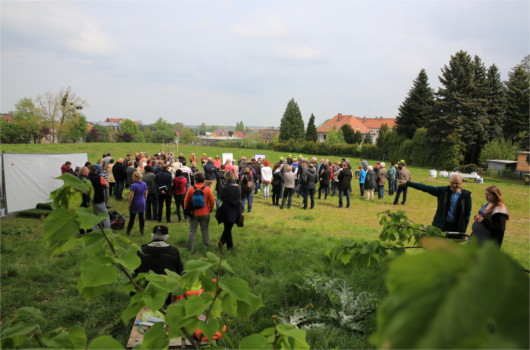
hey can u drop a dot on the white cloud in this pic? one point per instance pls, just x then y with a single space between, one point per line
258 28
53 26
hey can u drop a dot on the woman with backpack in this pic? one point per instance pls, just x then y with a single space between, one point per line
228 213
247 189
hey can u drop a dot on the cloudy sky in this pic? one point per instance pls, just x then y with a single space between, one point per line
220 62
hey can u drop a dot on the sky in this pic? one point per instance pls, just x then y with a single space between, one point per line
220 62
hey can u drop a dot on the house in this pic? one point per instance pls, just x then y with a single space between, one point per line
220 133
114 123
239 134
7 117
363 125
268 134
523 162
375 124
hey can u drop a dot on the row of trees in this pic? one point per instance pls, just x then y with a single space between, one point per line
467 120
34 120
472 107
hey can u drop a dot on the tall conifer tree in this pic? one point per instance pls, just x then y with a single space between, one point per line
496 97
311 132
417 107
517 102
292 124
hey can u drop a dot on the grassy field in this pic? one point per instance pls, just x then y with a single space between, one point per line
278 252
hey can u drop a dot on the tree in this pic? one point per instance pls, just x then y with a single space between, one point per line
202 129
75 130
240 126
334 136
517 102
461 107
417 108
496 103
98 133
357 137
349 134
58 109
29 119
161 131
133 131
368 138
311 132
292 125
525 62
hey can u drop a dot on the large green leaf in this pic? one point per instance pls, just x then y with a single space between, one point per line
61 338
61 229
238 289
74 182
455 297
104 342
255 341
155 338
292 337
194 306
97 271
129 260
86 217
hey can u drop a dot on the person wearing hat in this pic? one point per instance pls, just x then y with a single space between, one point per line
159 255
403 175
217 162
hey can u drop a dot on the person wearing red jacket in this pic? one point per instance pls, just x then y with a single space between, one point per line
180 183
200 215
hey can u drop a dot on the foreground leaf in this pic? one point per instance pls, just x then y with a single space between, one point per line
455 297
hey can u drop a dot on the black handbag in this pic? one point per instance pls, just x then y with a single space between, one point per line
240 220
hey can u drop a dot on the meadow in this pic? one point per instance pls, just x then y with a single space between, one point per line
281 253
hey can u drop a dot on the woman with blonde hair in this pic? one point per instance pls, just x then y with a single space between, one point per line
137 199
490 222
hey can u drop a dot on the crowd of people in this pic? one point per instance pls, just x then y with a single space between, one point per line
155 181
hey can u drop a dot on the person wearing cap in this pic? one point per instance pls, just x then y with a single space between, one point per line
454 203
403 175
158 255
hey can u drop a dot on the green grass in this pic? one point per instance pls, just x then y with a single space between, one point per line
276 252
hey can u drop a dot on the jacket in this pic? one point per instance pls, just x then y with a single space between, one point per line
209 201
381 176
443 193
371 180
162 179
231 208
345 176
157 256
309 178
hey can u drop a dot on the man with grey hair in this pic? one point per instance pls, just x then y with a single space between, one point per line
454 203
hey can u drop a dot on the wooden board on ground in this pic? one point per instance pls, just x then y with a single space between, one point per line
137 338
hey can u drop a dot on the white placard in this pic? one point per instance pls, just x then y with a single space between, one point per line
227 156
258 156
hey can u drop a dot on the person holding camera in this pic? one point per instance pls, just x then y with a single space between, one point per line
164 183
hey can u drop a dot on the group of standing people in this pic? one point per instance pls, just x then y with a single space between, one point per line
157 180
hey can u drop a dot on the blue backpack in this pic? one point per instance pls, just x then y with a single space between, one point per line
197 200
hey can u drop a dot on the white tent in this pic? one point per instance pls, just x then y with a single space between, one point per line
28 179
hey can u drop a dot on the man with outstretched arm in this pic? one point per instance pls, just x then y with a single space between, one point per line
454 203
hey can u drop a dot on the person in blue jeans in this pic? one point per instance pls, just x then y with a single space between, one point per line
247 189
362 178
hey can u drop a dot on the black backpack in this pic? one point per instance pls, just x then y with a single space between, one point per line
117 221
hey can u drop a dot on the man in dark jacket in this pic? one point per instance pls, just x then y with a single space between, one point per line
454 204
345 176
209 173
256 172
164 184
120 175
309 179
151 203
158 255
